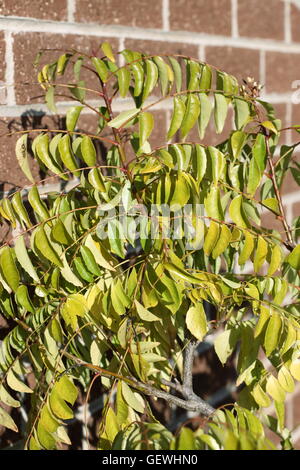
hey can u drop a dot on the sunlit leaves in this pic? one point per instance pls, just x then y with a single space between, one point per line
8 268
294 258
77 284
196 321
22 156
7 421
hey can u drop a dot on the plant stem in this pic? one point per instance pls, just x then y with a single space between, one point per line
282 216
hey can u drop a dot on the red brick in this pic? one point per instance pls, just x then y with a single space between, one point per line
201 16
295 23
26 46
237 61
257 19
47 10
2 67
296 206
161 48
281 71
295 120
137 13
11 174
296 407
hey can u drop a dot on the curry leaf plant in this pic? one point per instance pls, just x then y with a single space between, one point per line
113 278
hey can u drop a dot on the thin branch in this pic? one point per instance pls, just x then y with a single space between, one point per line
282 216
176 386
192 404
188 366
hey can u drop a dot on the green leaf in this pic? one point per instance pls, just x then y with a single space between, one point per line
261 398
19 209
294 258
8 267
212 204
66 154
247 249
274 389
260 254
163 74
144 313
62 63
146 124
44 246
49 99
138 73
74 307
211 238
276 258
23 258
7 421
220 111
206 77
133 399
99 253
181 193
242 112
42 150
96 179
271 203
259 152
177 73
15 383
199 162
23 298
123 75
68 274
285 379
191 114
177 116
224 345
59 407
151 78
273 332
186 440
123 118
60 234
217 163
254 177
196 321
205 112
101 68
72 117
36 203
6 398
237 213
237 142
262 321
88 151
106 48
270 125
223 241
22 156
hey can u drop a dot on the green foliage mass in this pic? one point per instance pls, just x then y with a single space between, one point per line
75 299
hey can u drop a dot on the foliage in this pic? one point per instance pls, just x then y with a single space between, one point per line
80 305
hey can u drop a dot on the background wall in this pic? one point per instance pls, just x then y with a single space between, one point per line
242 37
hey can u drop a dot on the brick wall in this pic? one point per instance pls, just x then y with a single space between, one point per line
243 37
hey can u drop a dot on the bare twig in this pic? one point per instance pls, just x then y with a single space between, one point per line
193 403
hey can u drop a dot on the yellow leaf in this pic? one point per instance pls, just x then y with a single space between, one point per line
196 321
